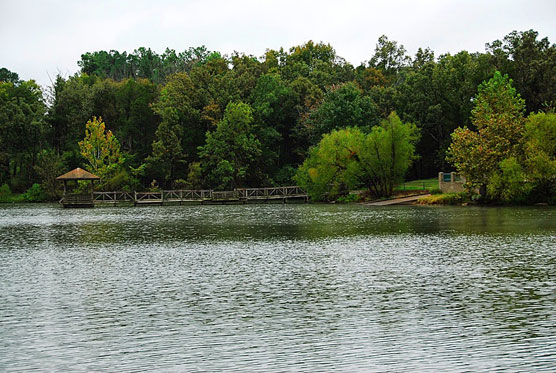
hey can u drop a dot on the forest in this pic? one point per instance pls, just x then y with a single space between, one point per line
201 119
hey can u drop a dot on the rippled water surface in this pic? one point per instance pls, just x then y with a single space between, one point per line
277 288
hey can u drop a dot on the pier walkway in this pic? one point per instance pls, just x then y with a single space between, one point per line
240 195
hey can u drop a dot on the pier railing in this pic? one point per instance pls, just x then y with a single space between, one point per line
149 197
270 193
112 197
187 195
201 195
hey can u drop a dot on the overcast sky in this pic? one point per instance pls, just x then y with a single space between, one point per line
38 38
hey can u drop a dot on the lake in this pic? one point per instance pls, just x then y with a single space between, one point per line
273 288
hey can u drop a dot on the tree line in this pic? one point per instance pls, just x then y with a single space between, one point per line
198 118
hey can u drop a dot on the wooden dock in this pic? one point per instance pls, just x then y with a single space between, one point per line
241 195
77 200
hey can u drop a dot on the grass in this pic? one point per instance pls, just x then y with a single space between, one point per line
444 199
423 184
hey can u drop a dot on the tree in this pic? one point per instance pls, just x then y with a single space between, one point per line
231 149
342 106
49 166
70 107
531 64
317 62
387 154
167 152
349 158
136 122
540 155
141 63
22 131
274 111
389 56
438 97
179 108
8 76
498 116
101 149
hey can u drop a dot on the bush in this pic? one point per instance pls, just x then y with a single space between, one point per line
348 198
5 193
5 190
195 176
508 184
444 199
121 181
35 194
285 176
179 184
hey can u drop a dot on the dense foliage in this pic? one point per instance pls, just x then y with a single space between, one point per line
201 119
509 158
349 158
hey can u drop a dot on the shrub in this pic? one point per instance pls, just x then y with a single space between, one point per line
348 198
35 194
444 199
121 180
5 193
179 184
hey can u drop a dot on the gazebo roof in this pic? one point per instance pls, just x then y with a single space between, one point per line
78 174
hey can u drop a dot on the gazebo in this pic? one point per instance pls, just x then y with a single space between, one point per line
76 199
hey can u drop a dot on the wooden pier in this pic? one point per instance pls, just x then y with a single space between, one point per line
241 195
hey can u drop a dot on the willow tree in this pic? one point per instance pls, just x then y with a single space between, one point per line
350 158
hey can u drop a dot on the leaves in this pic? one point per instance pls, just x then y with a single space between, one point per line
231 149
498 116
348 158
101 149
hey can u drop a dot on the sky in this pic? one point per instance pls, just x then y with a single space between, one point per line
40 39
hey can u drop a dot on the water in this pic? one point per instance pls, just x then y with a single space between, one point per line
277 288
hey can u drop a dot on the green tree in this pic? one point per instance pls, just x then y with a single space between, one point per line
23 131
274 111
49 166
70 107
167 156
101 149
498 116
136 122
540 155
8 76
389 57
531 63
342 106
438 97
179 108
231 149
349 158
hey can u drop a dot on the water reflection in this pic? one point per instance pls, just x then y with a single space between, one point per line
277 287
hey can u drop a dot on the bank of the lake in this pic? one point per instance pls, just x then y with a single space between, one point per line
305 287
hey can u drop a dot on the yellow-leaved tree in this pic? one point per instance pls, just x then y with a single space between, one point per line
101 149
